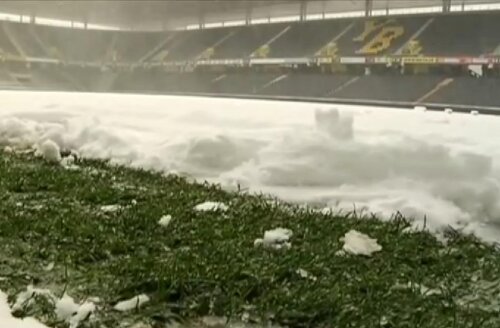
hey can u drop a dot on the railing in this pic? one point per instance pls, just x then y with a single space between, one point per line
346 60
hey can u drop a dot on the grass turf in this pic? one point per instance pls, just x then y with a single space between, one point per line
205 263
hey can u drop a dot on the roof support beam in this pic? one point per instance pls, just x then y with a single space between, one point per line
201 15
248 12
446 6
303 10
368 8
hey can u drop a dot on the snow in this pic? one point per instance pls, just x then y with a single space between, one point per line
275 239
8 321
68 161
49 266
133 303
66 308
73 313
26 298
50 151
426 291
357 243
84 312
306 275
165 220
211 207
110 208
420 163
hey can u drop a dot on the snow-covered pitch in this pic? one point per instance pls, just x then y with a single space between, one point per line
420 163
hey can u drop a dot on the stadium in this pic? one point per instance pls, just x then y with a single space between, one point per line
307 163
351 58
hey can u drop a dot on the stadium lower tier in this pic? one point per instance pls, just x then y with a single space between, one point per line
415 89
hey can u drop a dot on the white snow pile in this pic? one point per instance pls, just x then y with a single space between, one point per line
27 298
65 309
429 166
332 123
133 303
426 291
49 267
276 239
69 162
8 321
73 313
165 220
211 207
357 243
50 151
110 208
306 275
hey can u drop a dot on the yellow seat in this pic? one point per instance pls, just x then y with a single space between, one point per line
329 50
413 48
263 52
207 53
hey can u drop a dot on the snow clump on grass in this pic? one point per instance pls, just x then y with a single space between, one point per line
211 207
133 303
357 243
277 239
50 151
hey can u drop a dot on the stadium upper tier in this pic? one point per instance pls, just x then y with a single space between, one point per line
471 34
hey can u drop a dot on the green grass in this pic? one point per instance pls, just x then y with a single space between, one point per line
205 263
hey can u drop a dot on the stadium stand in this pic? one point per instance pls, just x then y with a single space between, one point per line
6 45
154 81
7 81
307 84
462 35
195 44
456 34
247 40
280 59
132 46
74 45
51 78
306 39
27 44
392 87
379 36
469 91
241 83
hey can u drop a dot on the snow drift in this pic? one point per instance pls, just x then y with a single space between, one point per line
422 164
10 321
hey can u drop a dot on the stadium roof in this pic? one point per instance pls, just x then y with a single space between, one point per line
125 13
162 14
